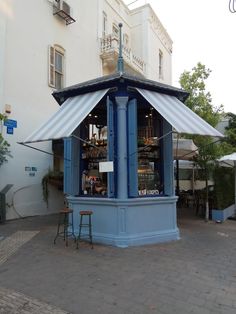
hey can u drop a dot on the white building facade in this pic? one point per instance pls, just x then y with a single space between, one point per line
46 45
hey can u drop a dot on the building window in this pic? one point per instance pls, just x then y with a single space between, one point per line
160 64
104 24
56 67
115 30
126 40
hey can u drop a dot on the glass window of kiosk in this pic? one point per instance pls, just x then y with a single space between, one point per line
149 125
93 131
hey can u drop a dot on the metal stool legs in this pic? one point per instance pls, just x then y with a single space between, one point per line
65 223
85 213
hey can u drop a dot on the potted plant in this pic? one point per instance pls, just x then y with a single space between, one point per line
54 178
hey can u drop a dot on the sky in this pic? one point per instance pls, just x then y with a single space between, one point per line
202 31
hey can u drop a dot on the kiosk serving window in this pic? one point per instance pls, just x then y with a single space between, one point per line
149 151
94 151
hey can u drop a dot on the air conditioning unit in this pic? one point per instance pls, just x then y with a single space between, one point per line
63 10
60 5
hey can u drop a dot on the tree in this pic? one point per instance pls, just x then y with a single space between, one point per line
208 152
4 145
228 143
200 102
230 131
199 99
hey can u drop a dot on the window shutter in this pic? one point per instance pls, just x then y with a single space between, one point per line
132 149
51 66
110 146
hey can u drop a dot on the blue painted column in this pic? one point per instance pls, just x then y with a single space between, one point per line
110 146
122 176
168 160
71 166
132 149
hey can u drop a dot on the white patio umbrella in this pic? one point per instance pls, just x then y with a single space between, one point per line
183 149
230 161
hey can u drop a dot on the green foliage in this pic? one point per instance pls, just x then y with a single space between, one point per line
4 150
200 102
230 131
208 151
51 177
199 99
4 145
45 182
224 187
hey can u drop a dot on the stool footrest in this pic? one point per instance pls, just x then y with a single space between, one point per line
88 225
65 224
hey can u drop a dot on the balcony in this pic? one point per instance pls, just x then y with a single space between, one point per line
109 54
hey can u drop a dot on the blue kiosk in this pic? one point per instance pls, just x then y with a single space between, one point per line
118 154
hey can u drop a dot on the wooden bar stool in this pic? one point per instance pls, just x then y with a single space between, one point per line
64 223
87 224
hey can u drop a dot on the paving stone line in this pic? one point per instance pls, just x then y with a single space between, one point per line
11 244
12 302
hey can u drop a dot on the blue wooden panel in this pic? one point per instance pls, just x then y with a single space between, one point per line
75 166
136 221
71 166
223 214
67 165
110 146
168 160
132 149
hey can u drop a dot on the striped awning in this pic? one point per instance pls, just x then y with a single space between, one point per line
72 112
182 119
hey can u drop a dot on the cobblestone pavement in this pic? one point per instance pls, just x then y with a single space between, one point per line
17 303
196 274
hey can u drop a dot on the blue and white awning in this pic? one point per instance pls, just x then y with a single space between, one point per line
178 115
69 116
75 109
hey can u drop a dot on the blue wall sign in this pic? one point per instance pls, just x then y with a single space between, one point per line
10 130
10 123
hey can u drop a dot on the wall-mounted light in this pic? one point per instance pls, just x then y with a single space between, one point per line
7 109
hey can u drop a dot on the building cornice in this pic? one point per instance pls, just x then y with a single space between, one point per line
156 26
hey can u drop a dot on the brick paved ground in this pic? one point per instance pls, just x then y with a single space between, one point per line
11 244
194 275
18 303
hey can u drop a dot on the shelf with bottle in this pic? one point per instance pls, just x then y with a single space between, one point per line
153 155
94 143
92 152
148 142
